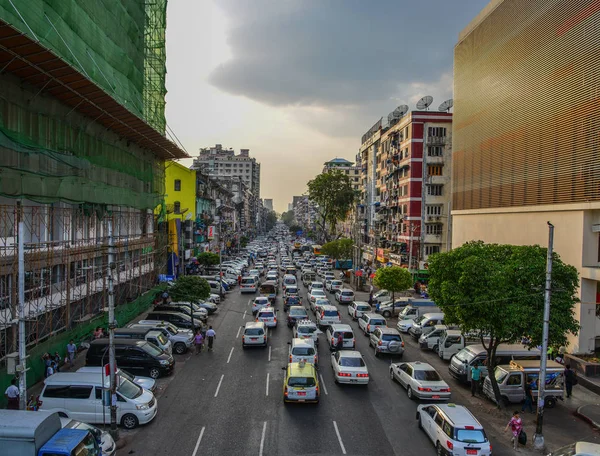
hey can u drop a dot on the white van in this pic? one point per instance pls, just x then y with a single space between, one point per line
425 324
86 397
289 280
303 350
248 285
147 383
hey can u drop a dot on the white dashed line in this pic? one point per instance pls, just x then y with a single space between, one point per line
262 439
268 384
244 316
219 385
323 384
230 353
269 353
198 441
339 437
238 333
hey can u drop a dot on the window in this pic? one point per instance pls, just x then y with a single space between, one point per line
435 151
431 249
435 190
514 380
80 392
60 391
355 171
436 131
177 207
433 209
434 229
439 420
347 172
434 170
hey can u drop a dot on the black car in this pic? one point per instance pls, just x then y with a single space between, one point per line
179 319
139 357
296 313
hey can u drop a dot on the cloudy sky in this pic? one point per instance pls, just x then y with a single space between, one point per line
298 82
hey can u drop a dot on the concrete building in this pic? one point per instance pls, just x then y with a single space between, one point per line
268 204
526 142
346 167
305 213
79 156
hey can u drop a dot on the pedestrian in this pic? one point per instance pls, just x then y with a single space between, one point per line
371 290
551 353
57 359
51 369
98 333
71 351
165 297
475 378
370 299
516 425
47 361
528 396
239 279
211 337
199 341
340 340
12 395
570 379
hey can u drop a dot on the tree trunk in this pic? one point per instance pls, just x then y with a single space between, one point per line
491 365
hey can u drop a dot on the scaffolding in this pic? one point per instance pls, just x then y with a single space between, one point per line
66 266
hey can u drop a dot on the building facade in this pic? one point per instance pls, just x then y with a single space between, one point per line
348 168
526 137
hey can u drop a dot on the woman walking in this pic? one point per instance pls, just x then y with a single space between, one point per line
516 426
199 341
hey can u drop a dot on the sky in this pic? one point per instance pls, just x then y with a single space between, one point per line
298 82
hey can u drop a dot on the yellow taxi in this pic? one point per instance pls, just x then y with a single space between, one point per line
301 383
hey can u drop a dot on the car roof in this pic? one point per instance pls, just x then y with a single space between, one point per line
76 378
254 324
298 341
386 330
346 289
350 354
340 327
459 415
297 307
266 309
373 315
418 365
261 298
306 370
327 307
306 323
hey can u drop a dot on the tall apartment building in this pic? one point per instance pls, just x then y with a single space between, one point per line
347 167
305 212
406 173
268 204
526 137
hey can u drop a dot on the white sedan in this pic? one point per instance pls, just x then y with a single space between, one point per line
404 325
349 367
316 294
260 302
421 381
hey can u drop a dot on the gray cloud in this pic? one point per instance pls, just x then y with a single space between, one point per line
335 53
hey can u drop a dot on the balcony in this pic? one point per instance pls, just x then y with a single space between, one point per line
433 160
436 140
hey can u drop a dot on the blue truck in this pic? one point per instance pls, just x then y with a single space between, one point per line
25 433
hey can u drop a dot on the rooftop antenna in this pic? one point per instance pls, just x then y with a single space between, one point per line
446 105
424 103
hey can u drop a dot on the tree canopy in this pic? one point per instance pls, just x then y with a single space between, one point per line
497 292
338 249
288 218
333 193
271 220
208 259
190 288
393 278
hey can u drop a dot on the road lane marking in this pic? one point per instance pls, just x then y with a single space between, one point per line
269 353
238 333
323 384
219 385
262 439
268 384
230 353
244 316
198 441
339 438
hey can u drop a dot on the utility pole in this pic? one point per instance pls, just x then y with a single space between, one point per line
22 338
111 334
538 438
220 260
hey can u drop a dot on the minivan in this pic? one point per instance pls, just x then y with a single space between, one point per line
303 350
136 356
289 280
151 335
425 324
143 382
460 364
248 285
255 333
333 333
86 397
369 321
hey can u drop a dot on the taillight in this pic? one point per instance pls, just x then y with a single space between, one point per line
424 389
332 341
315 359
290 358
243 338
285 391
449 444
368 328
445 390
344 374
362 375
275 319
379 343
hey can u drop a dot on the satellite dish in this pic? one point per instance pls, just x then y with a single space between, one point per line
424 102
392 117
446 105
401 110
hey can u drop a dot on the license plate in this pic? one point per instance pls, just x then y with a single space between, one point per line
254 338
471 451
437 397
301 393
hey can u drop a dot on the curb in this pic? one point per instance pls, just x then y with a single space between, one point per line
586 418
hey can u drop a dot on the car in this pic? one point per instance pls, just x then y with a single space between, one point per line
214 298
349 367
198 312
334 284
344 295
306 329
386 340
254 273
104 439
248 285
328 315
453 429
382 296
301 383
369 321
392 308
421 381
210 307
328 275
268 316
303 350
273 277
316 286
357 308
291 301
296 313
255 333
316 294
404 325
333 332
318 302
258 303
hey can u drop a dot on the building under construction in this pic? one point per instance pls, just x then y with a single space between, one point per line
82 144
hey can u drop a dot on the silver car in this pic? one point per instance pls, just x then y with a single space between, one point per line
421 381
386 340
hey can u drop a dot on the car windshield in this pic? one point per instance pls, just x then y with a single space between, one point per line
296 312
306 329
465 356
129 389
317 285
261 301
322 302
152 350
347 293
126 375
392 337
254 332
336 282
374 322
318 293
247 281
330 313
470 435
418 320
86 427
363 308
500 375
427 375
162 339
301 381
172 329
303 351
347 361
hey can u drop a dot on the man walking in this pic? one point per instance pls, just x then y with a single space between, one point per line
211 335
528 396
12 395
570 379
71 351
198 341
475 378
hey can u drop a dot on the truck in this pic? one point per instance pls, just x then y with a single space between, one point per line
40 433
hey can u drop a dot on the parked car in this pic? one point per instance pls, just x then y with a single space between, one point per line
357 308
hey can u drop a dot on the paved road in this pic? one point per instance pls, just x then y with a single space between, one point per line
229 402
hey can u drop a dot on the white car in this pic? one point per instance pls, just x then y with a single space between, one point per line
303 350
254 273
273 278
369 321
404 325
316 294
306 329
316 286
267 316
421 381
255 333
328 315
349 367
260 302
344 295
357 308
334 284
214 298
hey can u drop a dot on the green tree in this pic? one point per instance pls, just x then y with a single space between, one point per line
244 241
208 259
288 218
331 249
497 292
333 193
189 289
394 279
271 220
294 229
346 248
338 249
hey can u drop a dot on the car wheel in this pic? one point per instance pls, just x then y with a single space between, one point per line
409 392
420 424
438 449
180 348
436 348
154 372
129 421
386 314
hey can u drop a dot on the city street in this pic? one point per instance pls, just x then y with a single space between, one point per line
229 402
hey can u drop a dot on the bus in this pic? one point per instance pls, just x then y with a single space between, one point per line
316 249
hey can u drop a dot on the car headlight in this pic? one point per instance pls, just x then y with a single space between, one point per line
164 362
142 407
